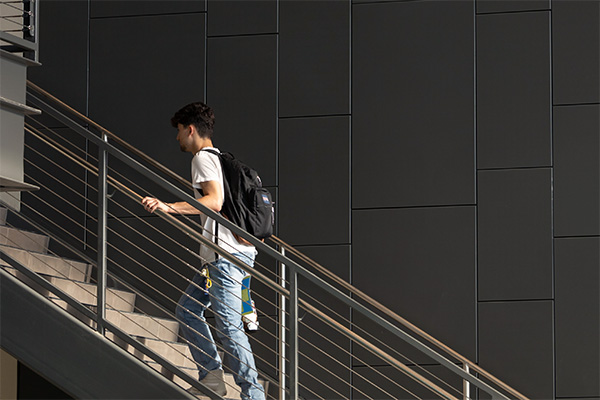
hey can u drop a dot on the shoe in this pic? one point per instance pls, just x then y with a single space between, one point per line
214 380
195 392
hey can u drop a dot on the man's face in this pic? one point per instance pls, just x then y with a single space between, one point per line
183 137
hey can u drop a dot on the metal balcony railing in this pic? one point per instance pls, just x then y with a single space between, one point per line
19 27
319 336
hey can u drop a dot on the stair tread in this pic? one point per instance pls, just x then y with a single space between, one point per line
23 239
86 293
49 264
142 325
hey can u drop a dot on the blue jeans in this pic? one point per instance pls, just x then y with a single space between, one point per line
225 297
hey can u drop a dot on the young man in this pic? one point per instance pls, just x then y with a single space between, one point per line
194 124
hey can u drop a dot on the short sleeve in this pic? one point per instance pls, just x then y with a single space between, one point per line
204 168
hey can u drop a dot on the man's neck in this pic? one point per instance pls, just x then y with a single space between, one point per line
202 144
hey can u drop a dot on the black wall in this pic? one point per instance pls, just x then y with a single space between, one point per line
447 149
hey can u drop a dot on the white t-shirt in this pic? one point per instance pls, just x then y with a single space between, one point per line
207 167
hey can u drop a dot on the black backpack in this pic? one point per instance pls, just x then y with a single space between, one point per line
247 204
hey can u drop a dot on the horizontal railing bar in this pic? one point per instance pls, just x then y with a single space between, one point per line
24 14
23 43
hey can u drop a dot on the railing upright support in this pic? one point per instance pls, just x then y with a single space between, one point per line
466 384
282 333
102 208
293 340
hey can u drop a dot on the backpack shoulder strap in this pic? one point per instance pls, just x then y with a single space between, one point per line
212 151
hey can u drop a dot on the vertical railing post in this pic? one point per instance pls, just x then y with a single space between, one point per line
282 333
466 384
293 340
102 206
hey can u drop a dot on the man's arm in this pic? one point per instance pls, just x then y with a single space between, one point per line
212 199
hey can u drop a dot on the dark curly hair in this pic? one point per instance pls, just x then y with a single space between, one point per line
198 114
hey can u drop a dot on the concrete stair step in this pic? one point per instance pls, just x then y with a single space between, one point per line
145 326
23 239
49 265
174 352
233 390
85 293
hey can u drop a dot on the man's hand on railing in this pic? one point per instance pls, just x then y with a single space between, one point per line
152 204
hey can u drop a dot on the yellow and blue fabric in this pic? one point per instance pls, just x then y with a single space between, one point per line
246 300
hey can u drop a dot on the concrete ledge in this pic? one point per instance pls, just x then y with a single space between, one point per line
16 106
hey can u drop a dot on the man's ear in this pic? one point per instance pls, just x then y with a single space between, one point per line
192 129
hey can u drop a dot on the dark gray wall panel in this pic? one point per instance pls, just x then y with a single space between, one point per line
577 317
513 90
515 234
242 90
115 8
494 6
516 345
63 34
581 398
576 51
412 104
314 61
335 259
235 17
395 384
314 173
128 92
577 170
421 264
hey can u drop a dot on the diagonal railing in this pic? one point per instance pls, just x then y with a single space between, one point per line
319 335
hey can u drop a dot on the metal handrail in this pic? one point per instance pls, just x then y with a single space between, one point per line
295 268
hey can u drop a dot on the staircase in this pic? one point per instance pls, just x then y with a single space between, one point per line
74 278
